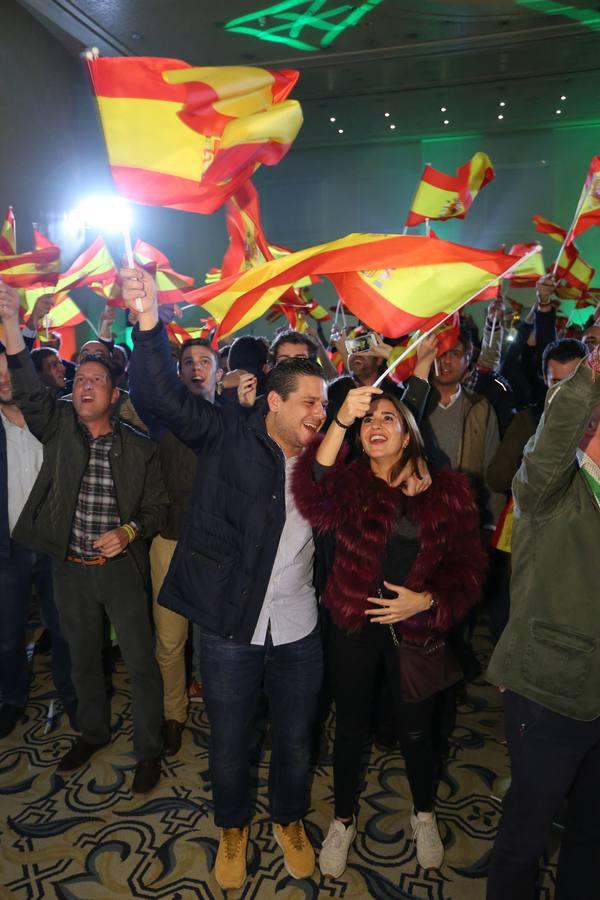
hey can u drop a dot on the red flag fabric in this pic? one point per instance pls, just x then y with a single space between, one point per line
8 239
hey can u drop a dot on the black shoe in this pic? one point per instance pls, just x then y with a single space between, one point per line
147 776
172 732
78 755
9 716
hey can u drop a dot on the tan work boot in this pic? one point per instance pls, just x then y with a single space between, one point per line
298 852
230 865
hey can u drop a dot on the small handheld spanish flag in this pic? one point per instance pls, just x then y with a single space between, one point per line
441 196
588 213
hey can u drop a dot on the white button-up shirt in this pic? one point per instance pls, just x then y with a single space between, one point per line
290 604
24 455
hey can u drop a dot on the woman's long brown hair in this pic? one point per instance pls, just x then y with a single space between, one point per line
415 449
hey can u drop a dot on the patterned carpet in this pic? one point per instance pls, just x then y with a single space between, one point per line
88 837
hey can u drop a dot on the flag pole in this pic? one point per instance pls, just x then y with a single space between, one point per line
425 334
571 229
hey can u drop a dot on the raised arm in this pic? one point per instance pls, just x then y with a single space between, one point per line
36 401
156 392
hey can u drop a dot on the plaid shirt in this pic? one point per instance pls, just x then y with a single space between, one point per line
96 510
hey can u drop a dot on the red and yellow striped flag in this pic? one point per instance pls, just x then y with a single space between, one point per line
574 270
170 285
8 238
532 268
187 137
40 241
447 335
441 196
93 268
65 313
589 212
394 283
545 226
32 268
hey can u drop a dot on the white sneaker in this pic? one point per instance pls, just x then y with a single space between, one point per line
334 852
430 850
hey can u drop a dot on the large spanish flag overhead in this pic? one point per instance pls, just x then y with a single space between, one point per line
396 284
188 137
441 196
589 211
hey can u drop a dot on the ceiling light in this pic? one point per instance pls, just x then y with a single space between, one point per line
559 112
332 118
392 127
564 97
500 116
502 103
442 109
387 115
446 121
340 130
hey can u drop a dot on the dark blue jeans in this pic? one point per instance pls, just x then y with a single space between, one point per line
552 758
18 574
233 676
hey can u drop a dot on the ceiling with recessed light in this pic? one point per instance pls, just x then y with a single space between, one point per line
373 70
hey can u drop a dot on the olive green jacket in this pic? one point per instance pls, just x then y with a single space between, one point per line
46 520
550 649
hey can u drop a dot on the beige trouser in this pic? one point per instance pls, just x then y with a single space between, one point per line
171 635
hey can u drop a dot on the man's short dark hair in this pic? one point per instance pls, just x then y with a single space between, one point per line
563 351
291 337
102 361
283 378
40 354
199 342
465 337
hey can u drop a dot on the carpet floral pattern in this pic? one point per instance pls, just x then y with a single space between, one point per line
86 837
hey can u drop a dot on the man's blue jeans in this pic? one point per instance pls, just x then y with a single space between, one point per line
233 676
18 574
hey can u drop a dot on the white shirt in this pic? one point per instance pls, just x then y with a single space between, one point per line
24 455
290 604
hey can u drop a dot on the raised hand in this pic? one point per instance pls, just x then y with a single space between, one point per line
247 389
139 294
426 353
9 303
357 403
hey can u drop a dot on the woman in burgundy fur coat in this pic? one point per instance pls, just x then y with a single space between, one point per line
408 564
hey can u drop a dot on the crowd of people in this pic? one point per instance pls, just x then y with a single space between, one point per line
317 531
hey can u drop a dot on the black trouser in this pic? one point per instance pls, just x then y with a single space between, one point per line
552 757
353 660
82 594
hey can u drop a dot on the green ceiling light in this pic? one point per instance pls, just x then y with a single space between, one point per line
284 22
588 17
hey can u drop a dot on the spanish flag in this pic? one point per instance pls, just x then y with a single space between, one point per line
170 285
8 239
447 335
545 226
35 267
188 137
441 196
396 284
92 268
531 270
40 241
589 210
572 269
65 313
